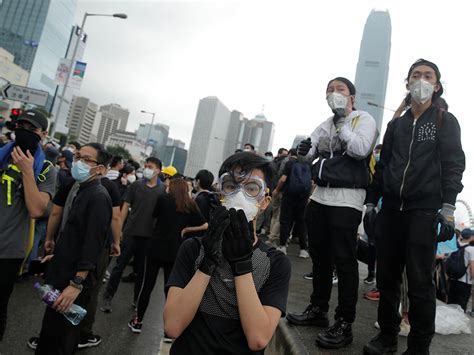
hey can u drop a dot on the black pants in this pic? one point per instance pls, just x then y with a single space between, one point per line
89 319
292 217
8 274
131 246
407 239
372 260
459 293
152 267
332 235
58 336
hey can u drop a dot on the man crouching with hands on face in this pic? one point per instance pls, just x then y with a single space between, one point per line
228 290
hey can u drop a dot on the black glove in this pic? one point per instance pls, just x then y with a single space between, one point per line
304 147
213 239
369 222
338 118
445 218
237 243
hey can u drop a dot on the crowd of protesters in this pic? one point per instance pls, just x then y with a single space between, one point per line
222 240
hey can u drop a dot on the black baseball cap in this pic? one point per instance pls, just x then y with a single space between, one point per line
35 117
467 233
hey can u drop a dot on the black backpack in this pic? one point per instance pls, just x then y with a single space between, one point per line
455 264
300 180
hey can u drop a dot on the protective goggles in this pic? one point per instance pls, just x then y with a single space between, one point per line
253 187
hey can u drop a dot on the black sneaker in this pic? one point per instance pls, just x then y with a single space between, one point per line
130 277
413 351
167 339
369 280
89 341
311 316
381 344
33 342
135 325
106 305
337 336
308 276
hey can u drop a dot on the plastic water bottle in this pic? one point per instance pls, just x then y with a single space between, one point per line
49 295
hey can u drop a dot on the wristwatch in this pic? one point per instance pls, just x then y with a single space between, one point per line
76 282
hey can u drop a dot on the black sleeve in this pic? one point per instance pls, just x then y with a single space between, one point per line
160 200
184 265
61 196
275 291
375 189
130 194
113 190
203 204
452 158
97 219
196 219
287 168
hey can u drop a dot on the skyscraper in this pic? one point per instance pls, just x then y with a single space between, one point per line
37 33
81 119
209 137
119 112
259 132
108 124
372 68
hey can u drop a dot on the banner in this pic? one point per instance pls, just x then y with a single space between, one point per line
77 76
61 72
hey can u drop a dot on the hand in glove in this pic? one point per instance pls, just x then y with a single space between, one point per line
304 147
445 219
213 239
338 118
237 244
369 221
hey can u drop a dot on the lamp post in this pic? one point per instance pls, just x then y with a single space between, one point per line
149 131
73 61
379 106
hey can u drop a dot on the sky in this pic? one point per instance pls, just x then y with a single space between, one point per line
168 55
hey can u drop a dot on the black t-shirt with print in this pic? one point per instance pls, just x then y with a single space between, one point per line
168 228
216 328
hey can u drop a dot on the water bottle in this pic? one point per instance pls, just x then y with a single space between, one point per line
49 295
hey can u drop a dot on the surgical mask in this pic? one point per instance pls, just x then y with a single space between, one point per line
148 173
27 140
80 171
377 156
246 150
71 149
269 158
131 178
239 201
337 101
421 91
139 175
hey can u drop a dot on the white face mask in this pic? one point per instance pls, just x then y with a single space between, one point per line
268 158
148 173
131 178
336 100
421 91
239 201
139 175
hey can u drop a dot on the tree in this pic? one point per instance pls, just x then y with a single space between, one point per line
118 150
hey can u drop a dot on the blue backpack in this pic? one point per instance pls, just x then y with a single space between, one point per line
300 180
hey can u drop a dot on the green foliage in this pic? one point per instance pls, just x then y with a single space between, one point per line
118 150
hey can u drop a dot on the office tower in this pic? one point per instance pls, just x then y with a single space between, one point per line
372 68
175 156
108 124
37 33
156 134
209 137
128 141
14 74
259 132
176 142
234 133
119 112
81 119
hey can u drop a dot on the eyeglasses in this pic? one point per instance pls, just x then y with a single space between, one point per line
253 187
87 160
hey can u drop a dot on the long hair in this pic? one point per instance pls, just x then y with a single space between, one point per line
179 190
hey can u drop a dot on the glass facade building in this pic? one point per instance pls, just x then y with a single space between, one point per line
37 33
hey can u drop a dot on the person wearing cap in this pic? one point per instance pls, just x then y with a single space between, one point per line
342 144
419 177
460 290
167 173
27 185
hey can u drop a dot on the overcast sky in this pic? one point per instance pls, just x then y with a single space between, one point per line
168 55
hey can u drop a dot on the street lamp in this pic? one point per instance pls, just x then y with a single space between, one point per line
379 106
149 131
73 60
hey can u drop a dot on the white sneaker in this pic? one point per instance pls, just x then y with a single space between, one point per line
335 280
404 328
303 254
377 325
282 249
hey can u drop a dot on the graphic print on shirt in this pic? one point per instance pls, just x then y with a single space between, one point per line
220 298
426 132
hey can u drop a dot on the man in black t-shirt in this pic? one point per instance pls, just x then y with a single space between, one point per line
206 200
228 290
